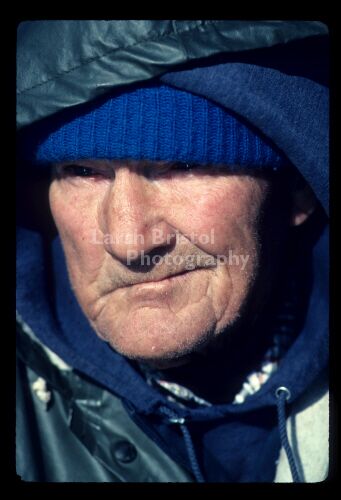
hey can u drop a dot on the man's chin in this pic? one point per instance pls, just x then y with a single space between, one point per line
161 345
154 336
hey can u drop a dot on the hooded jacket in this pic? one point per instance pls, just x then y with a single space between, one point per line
84 412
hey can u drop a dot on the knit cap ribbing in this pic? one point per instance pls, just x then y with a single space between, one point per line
158 123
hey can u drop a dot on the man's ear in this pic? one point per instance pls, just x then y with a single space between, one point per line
303 203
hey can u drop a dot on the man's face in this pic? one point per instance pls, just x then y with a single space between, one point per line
161 259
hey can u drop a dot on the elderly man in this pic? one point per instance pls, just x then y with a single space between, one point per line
182 303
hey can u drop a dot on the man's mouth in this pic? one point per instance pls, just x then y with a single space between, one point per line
161 279
165 280
155 291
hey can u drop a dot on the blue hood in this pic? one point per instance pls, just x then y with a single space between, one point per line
229 439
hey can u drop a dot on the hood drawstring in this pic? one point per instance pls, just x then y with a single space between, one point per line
173 418
283 395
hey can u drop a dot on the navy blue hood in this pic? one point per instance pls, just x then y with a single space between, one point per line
283 92
292 110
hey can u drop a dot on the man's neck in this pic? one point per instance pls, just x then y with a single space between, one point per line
217 373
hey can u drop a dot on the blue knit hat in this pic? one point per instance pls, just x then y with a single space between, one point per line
158 123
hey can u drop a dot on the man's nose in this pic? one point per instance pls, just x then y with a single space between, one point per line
133 221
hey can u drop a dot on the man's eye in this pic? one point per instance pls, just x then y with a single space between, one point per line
177 167
173 169
78 171
183 167
186 167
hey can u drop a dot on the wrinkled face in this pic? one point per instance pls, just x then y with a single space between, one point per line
162 257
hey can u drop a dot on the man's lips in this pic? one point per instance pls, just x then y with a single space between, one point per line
160 280
154 291
130 282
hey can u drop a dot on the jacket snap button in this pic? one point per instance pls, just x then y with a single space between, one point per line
124 452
